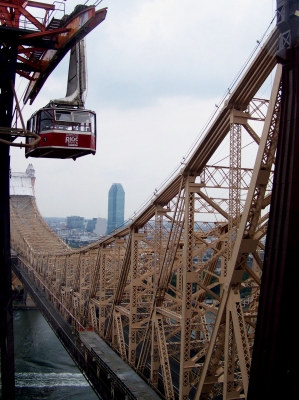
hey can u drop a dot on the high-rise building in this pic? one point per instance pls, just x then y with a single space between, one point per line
116 207
91 224
101 226
97 226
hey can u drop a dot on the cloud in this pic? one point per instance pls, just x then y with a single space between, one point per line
170 48
156 69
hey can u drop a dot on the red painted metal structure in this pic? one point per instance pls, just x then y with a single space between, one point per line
45 41
31 47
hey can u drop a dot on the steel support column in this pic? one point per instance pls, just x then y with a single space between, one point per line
275 353
8 55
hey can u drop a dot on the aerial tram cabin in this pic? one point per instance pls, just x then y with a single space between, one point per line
66 132
66 129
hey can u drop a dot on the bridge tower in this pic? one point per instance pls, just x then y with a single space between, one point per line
30 46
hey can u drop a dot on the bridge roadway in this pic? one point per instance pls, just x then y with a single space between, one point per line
108 375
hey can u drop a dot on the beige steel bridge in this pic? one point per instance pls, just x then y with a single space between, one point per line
175 293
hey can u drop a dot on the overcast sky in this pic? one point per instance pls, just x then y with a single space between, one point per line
156 69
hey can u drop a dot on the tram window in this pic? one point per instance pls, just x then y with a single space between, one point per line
82 121
45 120
82 118
31 126
92 122
63 116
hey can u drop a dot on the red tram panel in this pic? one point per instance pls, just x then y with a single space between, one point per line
66 132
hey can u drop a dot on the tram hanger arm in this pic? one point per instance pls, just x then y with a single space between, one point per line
79 26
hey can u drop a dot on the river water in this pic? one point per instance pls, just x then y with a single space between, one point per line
44 370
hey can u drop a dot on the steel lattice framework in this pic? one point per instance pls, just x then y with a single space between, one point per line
176 297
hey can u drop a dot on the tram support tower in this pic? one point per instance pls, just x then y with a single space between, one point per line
275 354
7 67
30 47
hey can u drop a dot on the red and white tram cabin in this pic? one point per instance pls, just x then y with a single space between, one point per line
65 131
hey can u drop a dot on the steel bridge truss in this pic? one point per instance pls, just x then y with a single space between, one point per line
176 292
